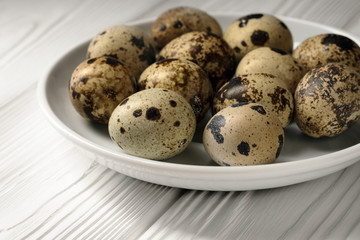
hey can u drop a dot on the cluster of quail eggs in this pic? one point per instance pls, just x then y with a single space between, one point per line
153 89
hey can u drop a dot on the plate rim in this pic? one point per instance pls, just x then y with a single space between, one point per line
302 166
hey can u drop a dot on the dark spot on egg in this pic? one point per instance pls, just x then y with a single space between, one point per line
102 33
124 101
281 143
74 93
237 49
282 52
165 61
259 109
148 55
215 125
90 61
278 99
112 55
177 123
137 113
236 89
88 112
341 42
225 164
196 105
243 148
173 103
243 43
112 62
195 50
84 80
178 24
162 27
283 25
244 20
122 130
239 104
110 93
138 42
259 37
343 112
153 114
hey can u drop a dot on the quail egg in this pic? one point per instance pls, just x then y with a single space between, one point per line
243 134
262 88
154 123
257 30
179 20
98 85
327 100
129 44
183 77
272 61
327 48
207 50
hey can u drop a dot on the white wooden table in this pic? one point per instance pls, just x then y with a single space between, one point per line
50 190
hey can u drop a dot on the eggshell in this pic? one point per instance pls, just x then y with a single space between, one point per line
262 88
128 44
207 50
258 30
183 77
154 123
327 48
327 100
243 134
272 61
179 20
98 85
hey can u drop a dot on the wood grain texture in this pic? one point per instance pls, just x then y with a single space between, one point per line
50 190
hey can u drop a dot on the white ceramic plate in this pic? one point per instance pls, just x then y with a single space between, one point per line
301 159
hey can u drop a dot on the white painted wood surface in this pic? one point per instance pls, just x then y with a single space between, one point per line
50 190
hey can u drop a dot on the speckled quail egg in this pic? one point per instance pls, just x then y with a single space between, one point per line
129 44
179 20
183 77
262 88
272 61
257 30
98 85
327 100
154 123
243 134
327 48
207 50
